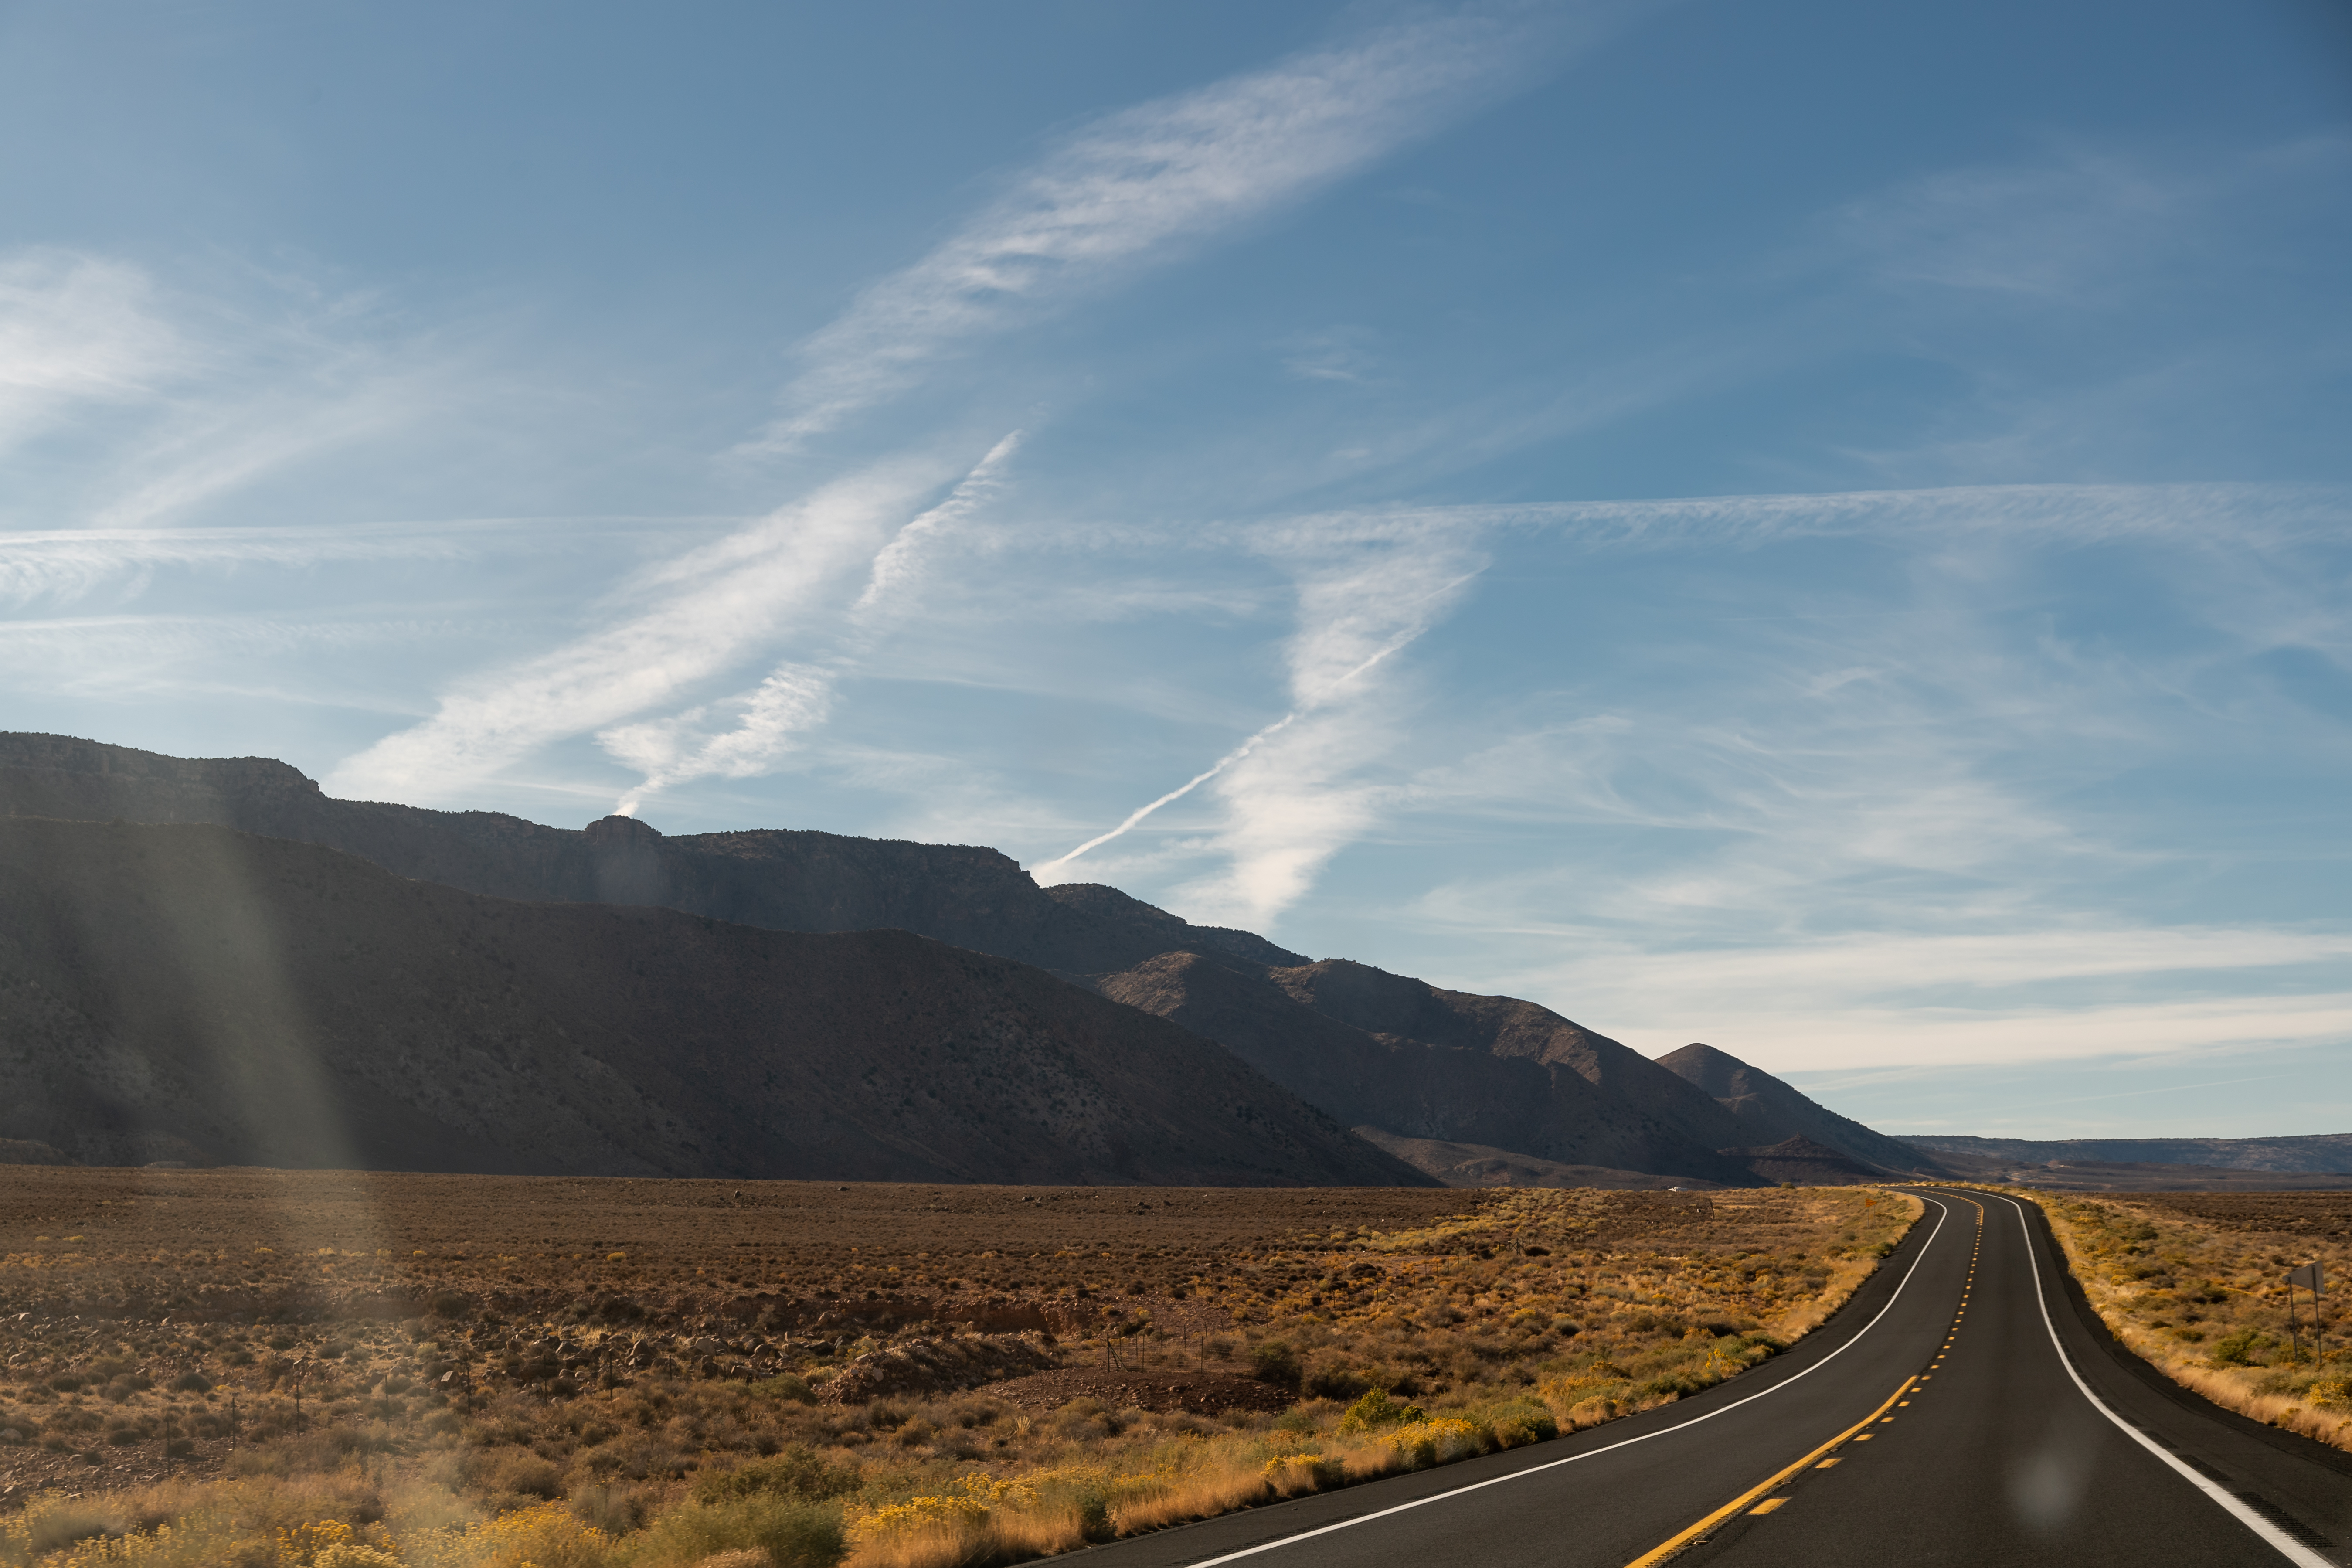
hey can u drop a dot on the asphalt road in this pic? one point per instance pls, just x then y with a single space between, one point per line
1933 1420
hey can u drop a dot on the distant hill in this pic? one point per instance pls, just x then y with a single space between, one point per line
1771 1112
194 993
1389 1051
1800 1159
1365 1046
2317 1152
1478 1165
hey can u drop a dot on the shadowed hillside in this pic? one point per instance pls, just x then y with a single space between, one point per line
1770 1113
195 993
785 879
1441 1065
1363 1046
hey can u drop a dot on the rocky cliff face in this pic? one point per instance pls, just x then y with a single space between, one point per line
192 993
785 879
1388 1051
1364 1046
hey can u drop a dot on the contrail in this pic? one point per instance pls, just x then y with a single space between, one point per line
1244 750
1228 760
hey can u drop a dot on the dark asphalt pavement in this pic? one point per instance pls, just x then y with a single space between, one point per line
1987 1452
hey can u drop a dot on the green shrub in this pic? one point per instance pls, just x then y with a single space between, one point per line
1275 1363
785 1385
1377 1409
791 1472
615 1511
793 1532
1523 1421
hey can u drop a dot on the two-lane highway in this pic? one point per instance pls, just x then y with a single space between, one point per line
1960 1409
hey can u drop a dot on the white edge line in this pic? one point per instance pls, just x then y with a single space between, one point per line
2288 1547
1625 1443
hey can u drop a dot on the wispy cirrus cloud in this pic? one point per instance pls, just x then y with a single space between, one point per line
1154 182
1142 186
1306 784
125 405
75 330
69 564
686 620
768 721
900 563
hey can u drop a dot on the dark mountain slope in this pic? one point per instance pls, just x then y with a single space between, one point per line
1506 1027
789 880
192 992
1478 1165
1363 1045
1454 1087
1771 1112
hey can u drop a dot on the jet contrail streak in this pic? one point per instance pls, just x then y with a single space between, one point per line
1244 750
1179 793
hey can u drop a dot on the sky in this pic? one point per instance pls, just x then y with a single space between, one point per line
1824 528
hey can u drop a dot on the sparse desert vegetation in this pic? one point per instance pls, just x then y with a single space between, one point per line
498 1371
2196 1283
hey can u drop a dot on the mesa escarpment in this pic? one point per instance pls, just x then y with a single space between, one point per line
786 880
1363 1046
192 993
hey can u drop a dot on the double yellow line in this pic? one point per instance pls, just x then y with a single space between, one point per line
1660 1554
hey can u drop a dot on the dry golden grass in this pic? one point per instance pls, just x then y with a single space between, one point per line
1219 1349
2195 1283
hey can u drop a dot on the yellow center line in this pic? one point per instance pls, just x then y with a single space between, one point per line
1666 1549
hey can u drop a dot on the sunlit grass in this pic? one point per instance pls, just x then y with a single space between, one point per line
2209 1305
1379 1351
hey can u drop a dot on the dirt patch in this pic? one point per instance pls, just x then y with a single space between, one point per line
937 1366
2307 1215
1141 1388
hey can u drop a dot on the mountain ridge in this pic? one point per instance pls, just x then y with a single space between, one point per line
189 991
1363 1046
2315 1153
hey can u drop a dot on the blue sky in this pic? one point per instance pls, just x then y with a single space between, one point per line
1821 528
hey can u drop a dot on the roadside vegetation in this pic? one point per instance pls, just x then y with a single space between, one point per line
743 1407
2196 1283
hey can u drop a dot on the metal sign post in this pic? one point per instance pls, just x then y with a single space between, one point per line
2312 1277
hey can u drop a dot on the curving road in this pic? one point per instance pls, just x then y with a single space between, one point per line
1965 1407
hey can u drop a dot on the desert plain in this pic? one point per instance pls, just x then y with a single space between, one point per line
293 1367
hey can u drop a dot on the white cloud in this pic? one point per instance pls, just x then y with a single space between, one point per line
1340 353
1303 787
76 329
899 562
1142 184
769 722
1059 869
712 606
2056 231
128 405
71 564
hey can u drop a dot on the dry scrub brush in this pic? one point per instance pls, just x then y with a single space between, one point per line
603 1437
2197 1286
